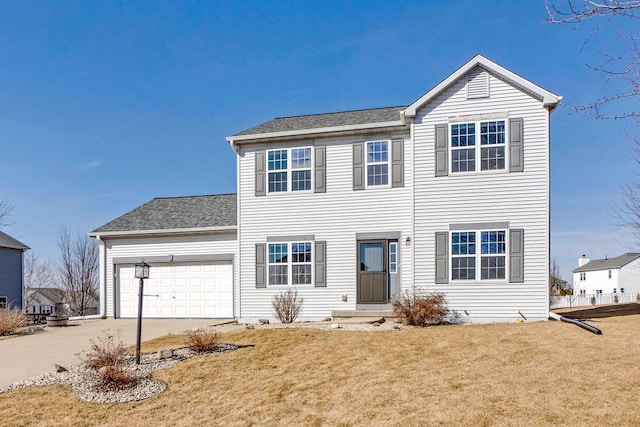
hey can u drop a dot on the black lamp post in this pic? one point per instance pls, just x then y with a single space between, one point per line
142 272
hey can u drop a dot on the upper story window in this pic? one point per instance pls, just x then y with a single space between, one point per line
583 276
465 149
289 169
290 263
469 263
377 163
609 274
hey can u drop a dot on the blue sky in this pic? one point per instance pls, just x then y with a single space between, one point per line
105 105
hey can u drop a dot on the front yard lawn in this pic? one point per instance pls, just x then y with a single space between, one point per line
531 374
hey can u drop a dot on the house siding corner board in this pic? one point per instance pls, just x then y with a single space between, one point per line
163 247
335 216
519 198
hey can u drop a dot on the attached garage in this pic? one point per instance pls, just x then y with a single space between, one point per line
178 290
191 245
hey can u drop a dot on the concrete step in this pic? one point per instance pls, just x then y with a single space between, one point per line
362 316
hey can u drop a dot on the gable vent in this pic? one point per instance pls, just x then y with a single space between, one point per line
477 84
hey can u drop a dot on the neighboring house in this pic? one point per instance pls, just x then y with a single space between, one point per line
44 301
557 285
608 276
449 194
11 271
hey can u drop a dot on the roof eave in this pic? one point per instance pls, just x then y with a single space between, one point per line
240 139
163 232
549 100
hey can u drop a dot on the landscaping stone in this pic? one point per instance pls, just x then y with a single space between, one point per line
166 353
263 321
335 326
59 368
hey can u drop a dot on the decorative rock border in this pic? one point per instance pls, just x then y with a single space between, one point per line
82 380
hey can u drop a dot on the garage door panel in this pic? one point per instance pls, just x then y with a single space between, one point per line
179 290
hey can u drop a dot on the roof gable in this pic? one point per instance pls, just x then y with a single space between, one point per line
608 263
9 242
547 98
176 214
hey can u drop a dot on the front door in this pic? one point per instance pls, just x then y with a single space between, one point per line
372 272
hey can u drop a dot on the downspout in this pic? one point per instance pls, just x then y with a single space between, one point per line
103 278
548 209
413 205
237 311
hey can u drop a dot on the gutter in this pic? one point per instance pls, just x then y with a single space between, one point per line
162 232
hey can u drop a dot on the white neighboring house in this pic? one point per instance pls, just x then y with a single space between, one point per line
449 193
608 276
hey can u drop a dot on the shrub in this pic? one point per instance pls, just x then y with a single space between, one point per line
105 352
203 341
593 300
11 319
616 299
421 309
108 359
287 305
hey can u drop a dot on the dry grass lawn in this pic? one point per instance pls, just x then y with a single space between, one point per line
531 374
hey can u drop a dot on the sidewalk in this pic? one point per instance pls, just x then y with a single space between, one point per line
26 356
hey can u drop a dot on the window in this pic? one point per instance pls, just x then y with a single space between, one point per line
377 163
615 291
393 257
583 276
465 150
298 263
610 276
289 169
622 290
3 303
490 260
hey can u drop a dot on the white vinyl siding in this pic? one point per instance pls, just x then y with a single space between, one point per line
223 245
334 217
520 199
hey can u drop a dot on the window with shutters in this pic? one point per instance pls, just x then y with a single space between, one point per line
479 255
377 163
290 263
478 146
289 169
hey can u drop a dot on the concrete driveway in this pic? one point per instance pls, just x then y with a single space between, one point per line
26 356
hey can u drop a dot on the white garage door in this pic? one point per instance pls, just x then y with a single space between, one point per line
179 290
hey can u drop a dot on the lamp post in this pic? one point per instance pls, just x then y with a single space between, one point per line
142 272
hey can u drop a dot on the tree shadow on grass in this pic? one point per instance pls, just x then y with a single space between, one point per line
601 311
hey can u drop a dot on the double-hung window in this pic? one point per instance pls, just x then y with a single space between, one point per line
484 140
290 263
377 163
486 260
583 276
289 169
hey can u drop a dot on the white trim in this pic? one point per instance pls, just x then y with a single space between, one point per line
549 100
168 231
290 169
388 163
289 264
478 255
244 138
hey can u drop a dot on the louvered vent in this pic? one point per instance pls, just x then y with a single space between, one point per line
477 84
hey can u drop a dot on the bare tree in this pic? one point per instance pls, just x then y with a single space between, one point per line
624 65
5 213
78 269
37 274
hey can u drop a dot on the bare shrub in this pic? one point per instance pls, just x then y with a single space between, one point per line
108 359
203 341
421 309
111 378
287 305
11 319
105 351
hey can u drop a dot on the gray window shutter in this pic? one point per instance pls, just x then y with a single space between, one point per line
516 255
261 173
358 166
321 264
442 257
397 163
320 170
442 149
261 265
516 146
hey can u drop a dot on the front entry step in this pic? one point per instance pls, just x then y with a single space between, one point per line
362 316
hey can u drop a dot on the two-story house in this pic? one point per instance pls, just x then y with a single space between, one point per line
449 193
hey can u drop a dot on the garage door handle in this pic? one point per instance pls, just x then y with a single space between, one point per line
151 295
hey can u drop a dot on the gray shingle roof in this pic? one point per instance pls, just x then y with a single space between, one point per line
55 295
7 241
315 121
167 213
608 263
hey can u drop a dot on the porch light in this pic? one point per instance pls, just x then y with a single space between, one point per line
408 241
142 272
